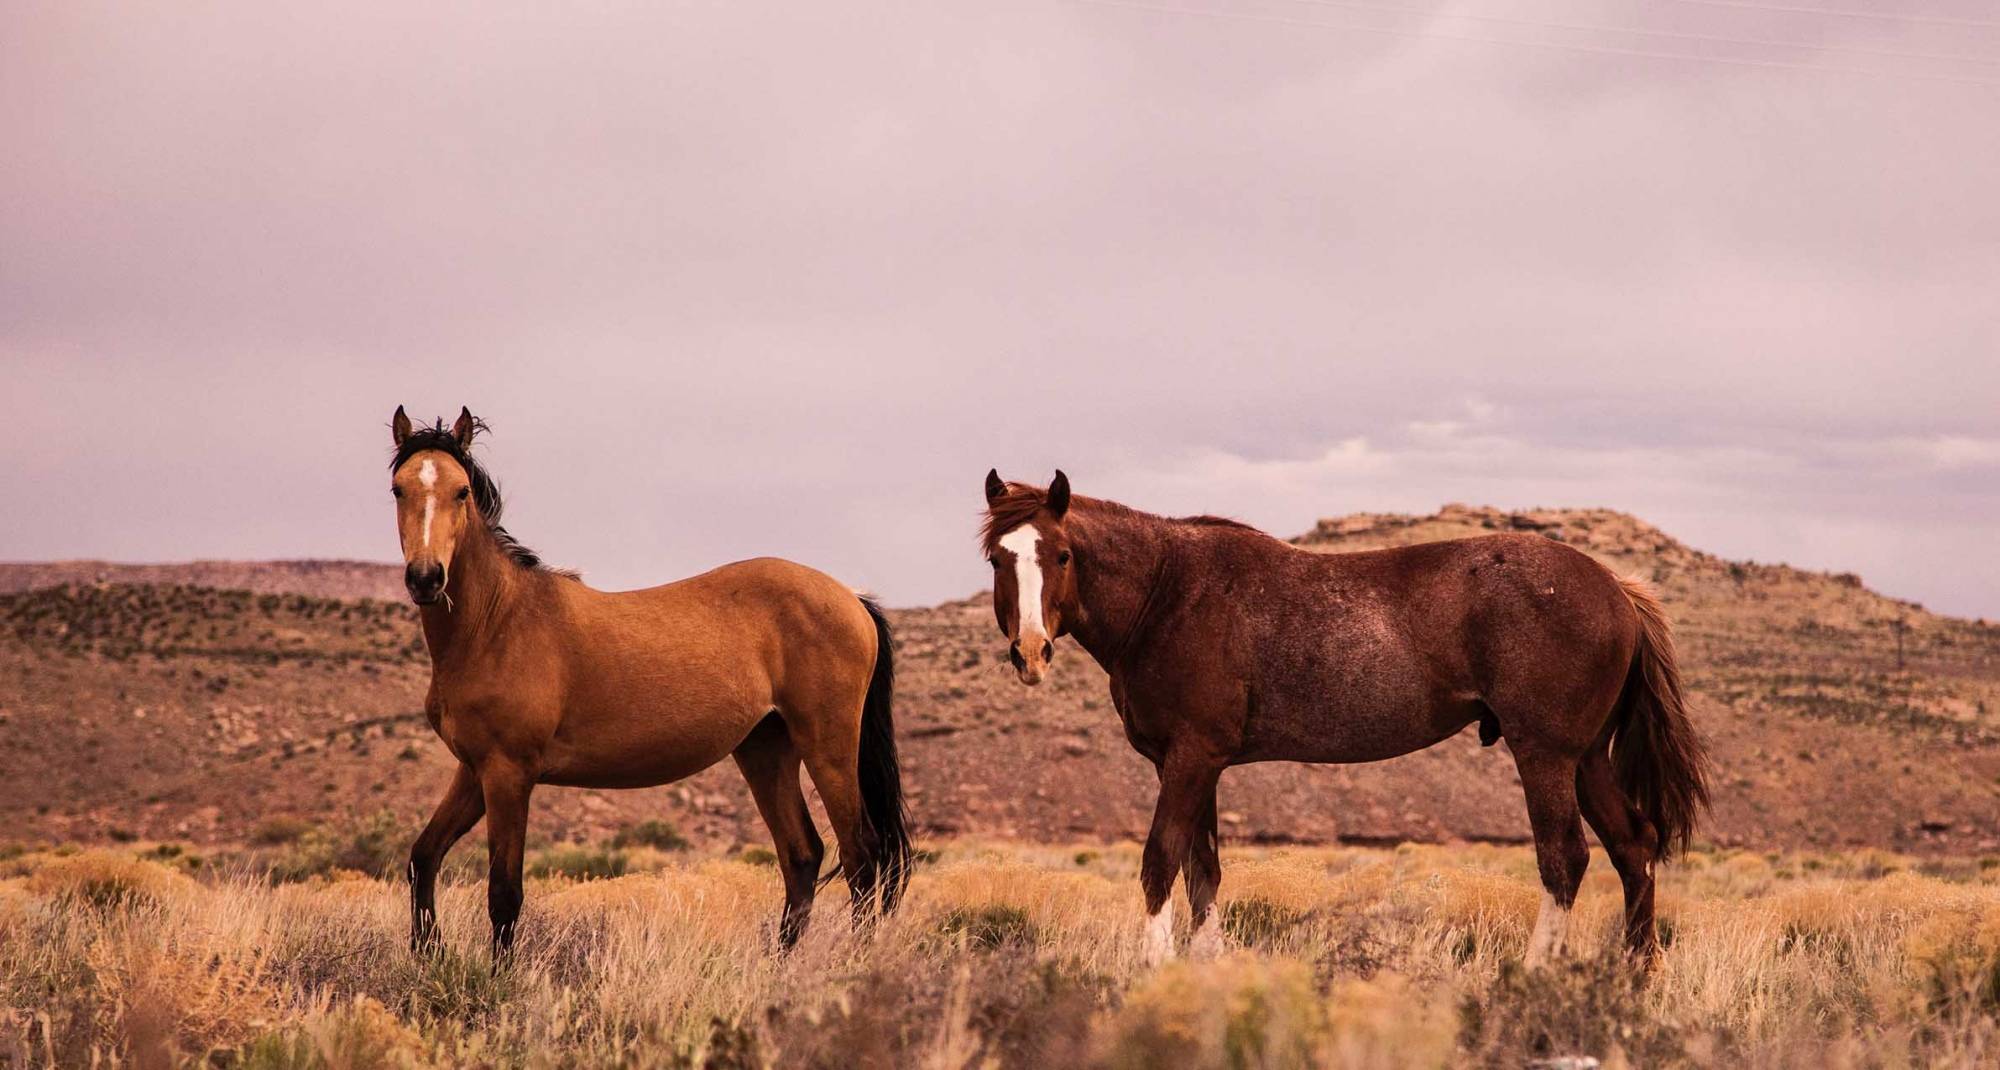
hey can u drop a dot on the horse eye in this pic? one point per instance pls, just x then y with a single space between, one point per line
994 560
1063 559
397 491
463 491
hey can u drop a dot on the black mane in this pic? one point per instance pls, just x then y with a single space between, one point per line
485 492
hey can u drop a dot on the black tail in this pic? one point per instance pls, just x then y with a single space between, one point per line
880 774
1660 757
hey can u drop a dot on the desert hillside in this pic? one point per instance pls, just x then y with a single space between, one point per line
198 702
321 579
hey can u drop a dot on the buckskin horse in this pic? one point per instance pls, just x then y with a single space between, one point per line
1227 646
539 679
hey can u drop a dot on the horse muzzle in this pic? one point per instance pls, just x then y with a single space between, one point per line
425 582
1031 657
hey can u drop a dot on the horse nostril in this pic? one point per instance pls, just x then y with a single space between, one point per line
422 580
1014 655
1048 651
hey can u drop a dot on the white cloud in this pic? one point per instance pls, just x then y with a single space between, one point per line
1961 451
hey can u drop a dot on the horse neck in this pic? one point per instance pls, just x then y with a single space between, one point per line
484 585
1124 558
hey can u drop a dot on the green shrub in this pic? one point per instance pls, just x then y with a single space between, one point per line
374 845
278 831
107 880
1237 1014
173 854
579 863
279 1049
454 986
654 833
1575 1007
1254 921
988 927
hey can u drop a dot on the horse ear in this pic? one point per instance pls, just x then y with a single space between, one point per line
399 426
463 429
1058 499
996 488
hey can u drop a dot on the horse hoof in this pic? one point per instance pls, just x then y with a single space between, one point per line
1208 942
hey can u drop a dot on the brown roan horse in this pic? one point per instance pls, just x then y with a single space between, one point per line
538 679
1226 646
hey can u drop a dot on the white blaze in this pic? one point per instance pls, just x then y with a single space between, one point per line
1551 932
1022 542
427 474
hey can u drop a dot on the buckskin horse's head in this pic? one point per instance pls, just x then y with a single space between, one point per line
1034 574
433 480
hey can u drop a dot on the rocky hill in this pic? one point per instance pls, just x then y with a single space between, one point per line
321 579
179 710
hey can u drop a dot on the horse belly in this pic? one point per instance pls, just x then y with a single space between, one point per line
638 748
1366 726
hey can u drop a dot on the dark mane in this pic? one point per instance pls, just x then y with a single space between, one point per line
485 492
1022 501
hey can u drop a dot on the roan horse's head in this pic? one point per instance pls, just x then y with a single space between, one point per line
1034 575
434 499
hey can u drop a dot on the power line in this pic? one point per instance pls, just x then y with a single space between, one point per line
1394 9
1934 20
1551 45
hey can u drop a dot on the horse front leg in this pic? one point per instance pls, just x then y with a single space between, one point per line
1187 784
1203 875
506 787
460 809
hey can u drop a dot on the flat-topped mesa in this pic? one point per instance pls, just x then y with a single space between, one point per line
1624 543
1601 531
315 577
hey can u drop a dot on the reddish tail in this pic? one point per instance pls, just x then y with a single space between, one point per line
1661 759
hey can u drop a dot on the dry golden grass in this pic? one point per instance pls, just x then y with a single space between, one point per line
1006 955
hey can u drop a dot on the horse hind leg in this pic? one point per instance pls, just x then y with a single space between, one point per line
839 784
1632 843
770 766
1548 779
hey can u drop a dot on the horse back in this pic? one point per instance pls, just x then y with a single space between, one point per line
766 612
1481 609
1365 655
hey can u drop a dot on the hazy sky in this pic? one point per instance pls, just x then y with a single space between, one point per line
742 278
